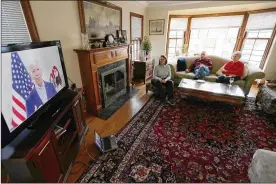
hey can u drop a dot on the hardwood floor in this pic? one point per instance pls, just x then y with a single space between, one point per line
106 127
112 126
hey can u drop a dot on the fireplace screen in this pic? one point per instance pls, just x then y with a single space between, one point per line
113 84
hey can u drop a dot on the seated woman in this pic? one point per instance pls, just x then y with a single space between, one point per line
162 76
232 69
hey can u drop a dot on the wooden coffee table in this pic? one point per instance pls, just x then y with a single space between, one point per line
213 91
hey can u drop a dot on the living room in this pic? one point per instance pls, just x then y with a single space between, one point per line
208 132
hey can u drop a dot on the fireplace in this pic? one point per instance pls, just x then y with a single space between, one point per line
93 63
112 82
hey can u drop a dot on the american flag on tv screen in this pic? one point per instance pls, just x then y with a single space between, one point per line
21 88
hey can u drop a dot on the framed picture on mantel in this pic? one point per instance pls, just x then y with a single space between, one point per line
156 27
99 19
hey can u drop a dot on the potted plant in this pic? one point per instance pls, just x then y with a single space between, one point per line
146 47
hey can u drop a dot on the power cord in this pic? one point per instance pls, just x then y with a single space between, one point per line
80 162
70 80
73 85
86 149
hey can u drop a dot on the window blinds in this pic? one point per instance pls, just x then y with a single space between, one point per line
217 22
136 27
178 23
261 21
14 27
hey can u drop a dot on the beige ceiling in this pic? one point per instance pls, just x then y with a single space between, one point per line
170 3
224 9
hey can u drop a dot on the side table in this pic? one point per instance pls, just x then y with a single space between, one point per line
143 70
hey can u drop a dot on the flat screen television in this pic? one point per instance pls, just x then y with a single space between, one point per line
33 76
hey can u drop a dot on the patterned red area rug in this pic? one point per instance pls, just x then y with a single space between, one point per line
193 141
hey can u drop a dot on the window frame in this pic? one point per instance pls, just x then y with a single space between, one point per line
132 14
29 17
241 34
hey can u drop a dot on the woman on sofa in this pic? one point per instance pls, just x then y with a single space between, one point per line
162 77
232 69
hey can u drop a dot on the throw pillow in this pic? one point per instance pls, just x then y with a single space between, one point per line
181 64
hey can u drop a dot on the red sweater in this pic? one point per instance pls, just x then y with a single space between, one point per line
234 68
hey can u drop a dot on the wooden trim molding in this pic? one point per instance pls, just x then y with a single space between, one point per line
188 34
168 34
139 16
224 14
29 17
81 15
241 34
262 10
267 49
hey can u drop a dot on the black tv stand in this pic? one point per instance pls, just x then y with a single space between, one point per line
46 151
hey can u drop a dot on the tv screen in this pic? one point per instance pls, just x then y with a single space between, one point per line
32 75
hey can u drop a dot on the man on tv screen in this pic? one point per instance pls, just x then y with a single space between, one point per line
41 92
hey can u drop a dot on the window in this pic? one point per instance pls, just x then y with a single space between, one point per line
15 29
178 27
257 36
215 35
136 34
221 34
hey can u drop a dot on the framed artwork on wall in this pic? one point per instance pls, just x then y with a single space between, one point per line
99 19
156 27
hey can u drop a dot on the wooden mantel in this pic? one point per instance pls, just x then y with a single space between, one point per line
90 61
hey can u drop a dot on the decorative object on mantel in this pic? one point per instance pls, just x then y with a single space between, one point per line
124 34
99 19
121 36
156 27
119 33
85 41
146 48
110 41
96 43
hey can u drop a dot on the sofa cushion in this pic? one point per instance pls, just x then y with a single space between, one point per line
218 62
219 72
211 78
186 75
191 75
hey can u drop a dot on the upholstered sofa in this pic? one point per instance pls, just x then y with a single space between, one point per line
254 73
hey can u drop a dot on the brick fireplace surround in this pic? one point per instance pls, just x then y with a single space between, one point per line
90 61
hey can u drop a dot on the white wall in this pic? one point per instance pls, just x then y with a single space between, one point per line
127 7
59 20
270 66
